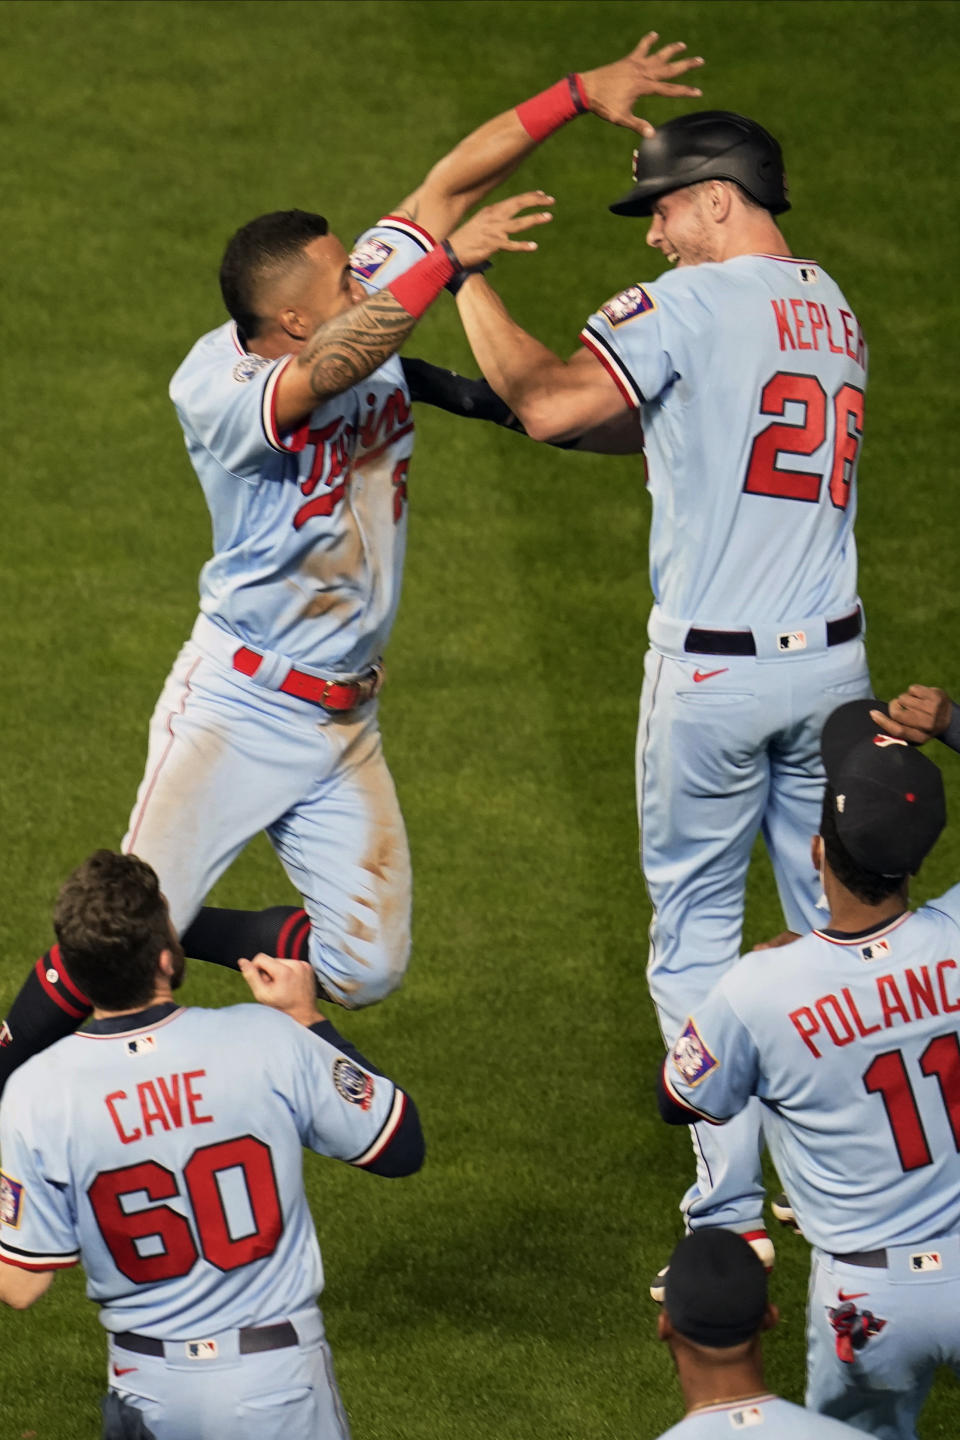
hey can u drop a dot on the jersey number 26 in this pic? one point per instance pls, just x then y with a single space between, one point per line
766 475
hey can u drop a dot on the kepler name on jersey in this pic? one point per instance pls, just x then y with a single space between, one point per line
806 325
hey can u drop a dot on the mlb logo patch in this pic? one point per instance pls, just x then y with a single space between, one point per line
353 1083
11 1201
628 305
926 1260
367 259
746 1419
792 640
6 1035
807 275
691 1058
141 1044
875 950
201 1349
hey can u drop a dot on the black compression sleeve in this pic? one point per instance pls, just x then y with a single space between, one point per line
406 1150
670 1110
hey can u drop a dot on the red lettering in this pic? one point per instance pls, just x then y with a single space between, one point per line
783 324
941 982
845 316
861 349
171 1098
798 319
835 349
891 1001
921 990
150 1107
806 1026
319 439
125 1139
194 1098
851 1005
320 505
816 322
847 1035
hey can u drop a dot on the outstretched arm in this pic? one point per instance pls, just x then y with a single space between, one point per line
553 399
490 154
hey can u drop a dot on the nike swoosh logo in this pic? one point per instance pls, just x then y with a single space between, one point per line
128 1370
699 675
860 1295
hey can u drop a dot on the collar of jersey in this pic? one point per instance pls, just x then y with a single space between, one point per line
850 937
139 1020
710 1409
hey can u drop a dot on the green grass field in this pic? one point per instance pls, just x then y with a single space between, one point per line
502 1292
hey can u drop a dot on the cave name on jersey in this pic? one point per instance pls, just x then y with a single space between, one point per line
336 451
914 994
167 1102
806 325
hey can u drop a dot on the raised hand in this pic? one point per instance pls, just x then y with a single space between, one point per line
287 985
917 715
613 90
492 228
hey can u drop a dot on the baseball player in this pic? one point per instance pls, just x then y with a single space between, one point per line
748 368
297 420
855 1055
130 1146
715 1312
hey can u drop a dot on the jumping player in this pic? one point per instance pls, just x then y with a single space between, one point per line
855 1054
747 367
131 1147
297 421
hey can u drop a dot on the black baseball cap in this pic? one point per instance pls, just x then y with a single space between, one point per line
889 805
715 1291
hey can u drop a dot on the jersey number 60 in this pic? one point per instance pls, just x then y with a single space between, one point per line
167 1247
766 476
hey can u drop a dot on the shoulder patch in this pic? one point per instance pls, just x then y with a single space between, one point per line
249 366
354 1084
11 1201
628 305
691 1058
369 257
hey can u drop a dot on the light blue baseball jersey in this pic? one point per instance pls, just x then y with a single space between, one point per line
853 1047
771 1417
309 528
175 1170
750 377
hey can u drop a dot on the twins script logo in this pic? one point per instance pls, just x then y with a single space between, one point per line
341 446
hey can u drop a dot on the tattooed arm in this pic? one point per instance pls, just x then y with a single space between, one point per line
346 349
491 153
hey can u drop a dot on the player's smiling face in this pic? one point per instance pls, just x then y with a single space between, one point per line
680 228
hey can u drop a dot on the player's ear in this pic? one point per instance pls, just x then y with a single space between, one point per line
771 1318
719 200
664 1328
167 964
294 324
816 852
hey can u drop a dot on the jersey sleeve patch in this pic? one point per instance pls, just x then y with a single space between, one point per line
370 256
352 1083
628 305
248 366
11 1201
690 1057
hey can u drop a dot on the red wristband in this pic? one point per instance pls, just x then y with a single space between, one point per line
552 108
418 287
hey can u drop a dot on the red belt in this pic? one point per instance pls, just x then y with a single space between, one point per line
333 695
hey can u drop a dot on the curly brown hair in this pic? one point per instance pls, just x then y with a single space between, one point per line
112 924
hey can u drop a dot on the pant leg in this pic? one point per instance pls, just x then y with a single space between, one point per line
344 846
810 691
228 758
702 781
882 1386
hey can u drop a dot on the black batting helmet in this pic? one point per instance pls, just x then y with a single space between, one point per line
707 145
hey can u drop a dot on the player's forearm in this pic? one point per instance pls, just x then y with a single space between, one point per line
491 153
523 372
347 349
